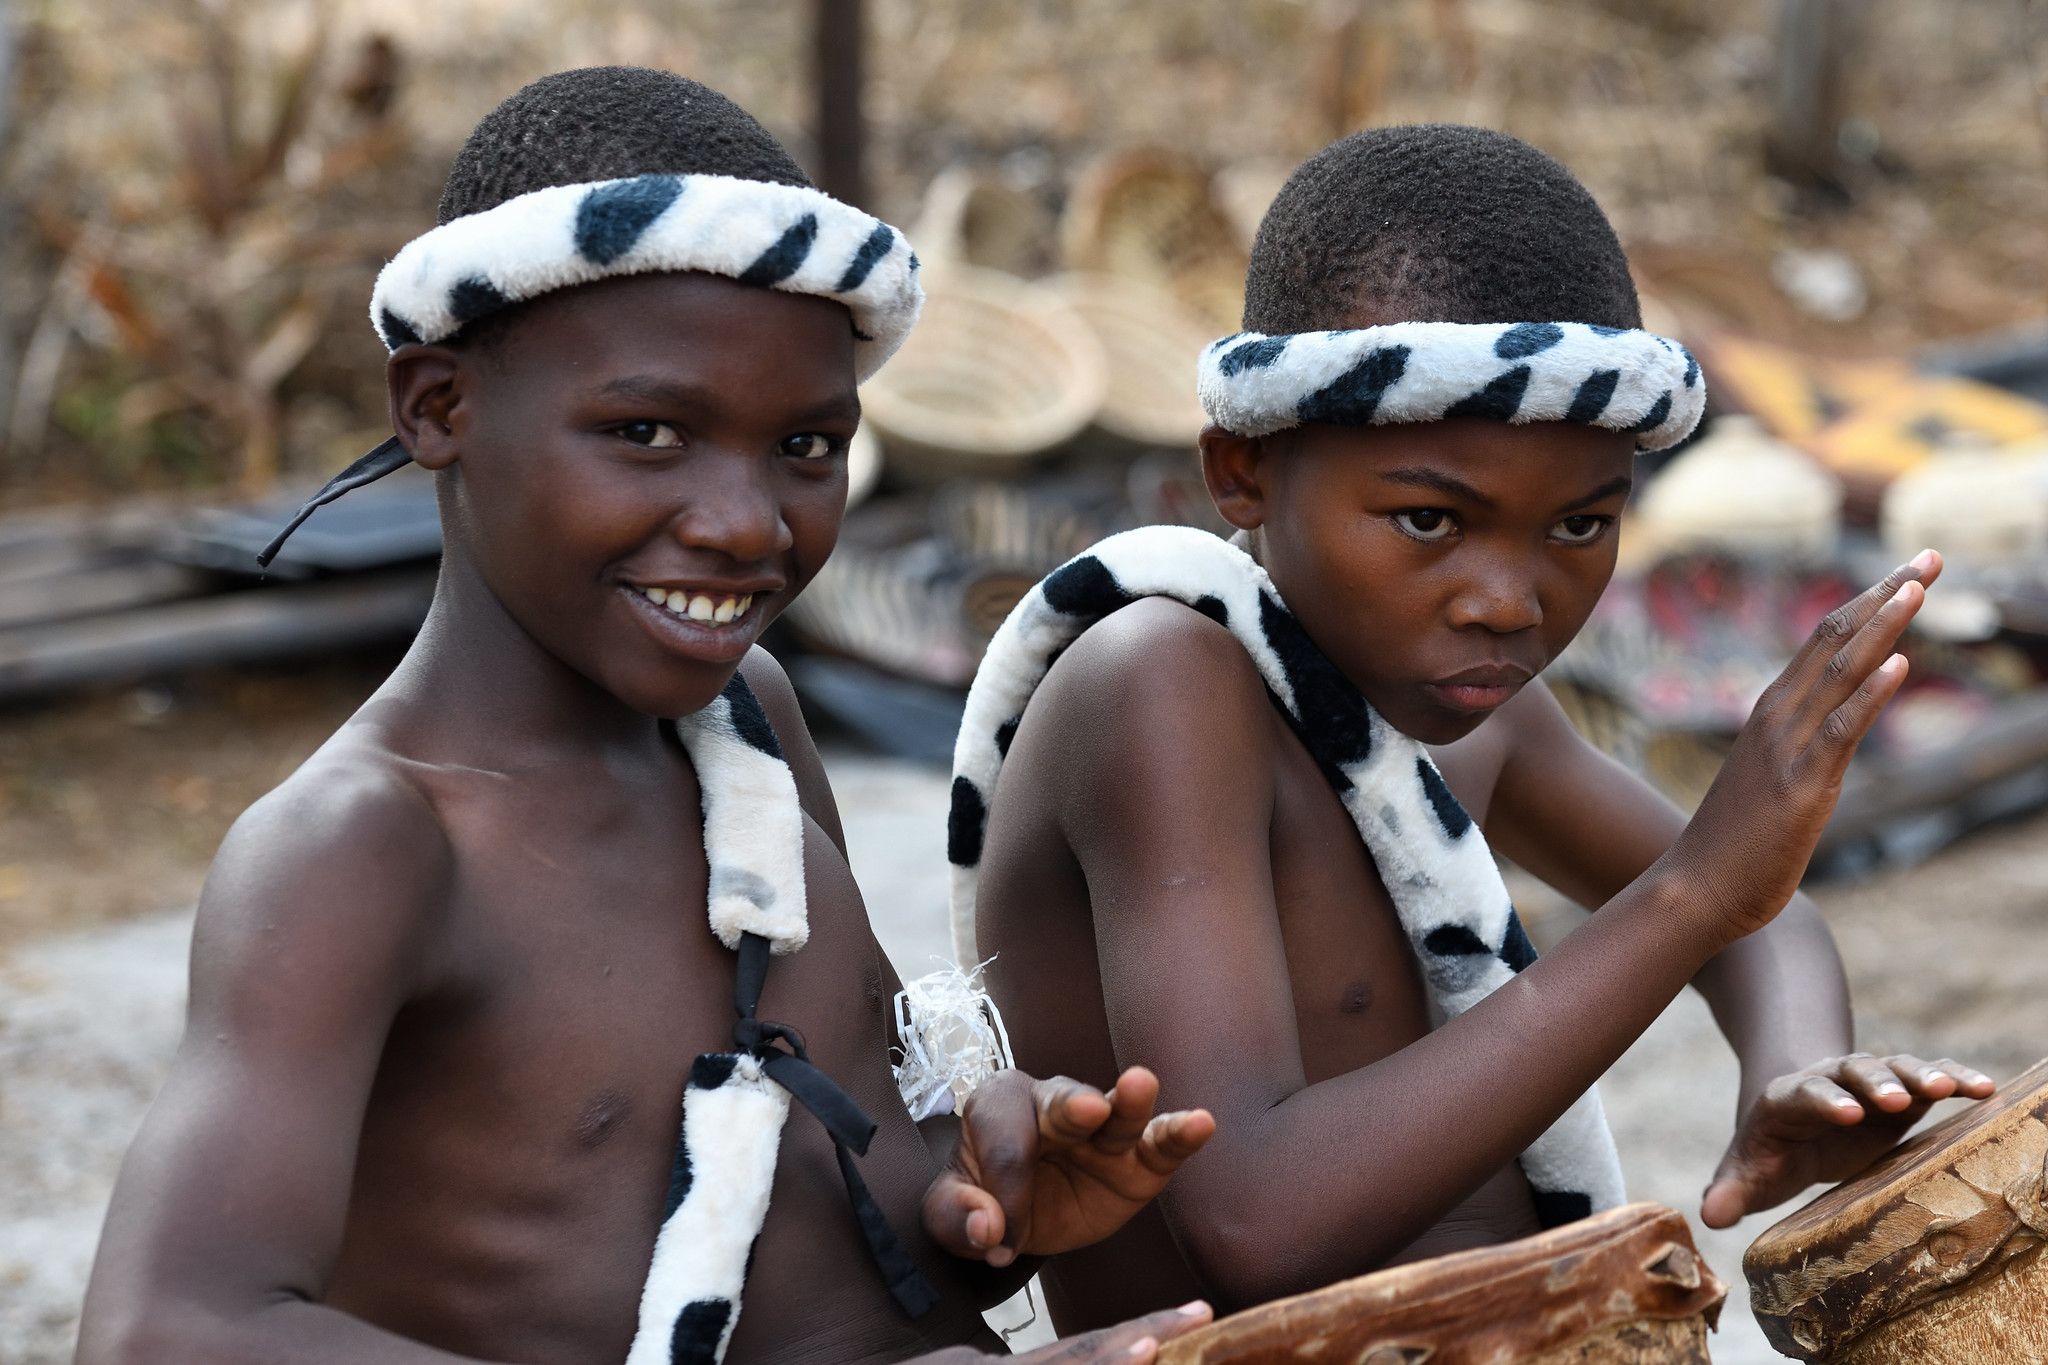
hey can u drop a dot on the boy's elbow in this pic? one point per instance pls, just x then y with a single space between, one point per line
146 1332
1247 1259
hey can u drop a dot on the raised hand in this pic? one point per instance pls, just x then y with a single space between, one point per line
1748 844
1827 1123
1050 1166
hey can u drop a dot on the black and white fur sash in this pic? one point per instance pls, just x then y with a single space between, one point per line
1430 854
735 1103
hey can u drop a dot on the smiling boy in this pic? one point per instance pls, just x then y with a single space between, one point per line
1229 810
574 872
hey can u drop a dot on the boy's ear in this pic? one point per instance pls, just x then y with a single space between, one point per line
426 385
1234 467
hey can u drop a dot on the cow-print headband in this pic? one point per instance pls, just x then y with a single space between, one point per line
1610 377
785 237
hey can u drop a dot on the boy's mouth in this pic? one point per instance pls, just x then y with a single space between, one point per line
706 608
1480 689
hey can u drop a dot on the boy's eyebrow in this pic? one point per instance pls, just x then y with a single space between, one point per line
1435 479
642 388
1621 483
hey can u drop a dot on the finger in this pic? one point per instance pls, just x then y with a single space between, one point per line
1970 1082
1069 1113
965 1219
1923 1080
1875 1082
1131 1101
1841 625
1863 654
1819 1100
1171 1139
1845 727
1128 1343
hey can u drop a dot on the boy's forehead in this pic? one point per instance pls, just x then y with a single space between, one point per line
1546 462
635 321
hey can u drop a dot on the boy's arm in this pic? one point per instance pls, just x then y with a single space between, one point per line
228 1213
1809 1108
1308 1183
1588 826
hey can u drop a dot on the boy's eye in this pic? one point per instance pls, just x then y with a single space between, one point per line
1425 523
658 435
1579 530
808 446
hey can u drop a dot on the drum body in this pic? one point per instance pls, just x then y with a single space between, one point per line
1625 1287
1934 1255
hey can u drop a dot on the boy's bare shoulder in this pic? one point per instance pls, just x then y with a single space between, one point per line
351 843
1159 690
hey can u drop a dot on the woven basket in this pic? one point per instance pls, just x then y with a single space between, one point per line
1152 341
997 373
1148 214
972 218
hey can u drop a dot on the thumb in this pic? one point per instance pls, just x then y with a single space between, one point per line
966 1220
1725 1201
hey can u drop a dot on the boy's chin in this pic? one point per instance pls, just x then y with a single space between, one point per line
1422 716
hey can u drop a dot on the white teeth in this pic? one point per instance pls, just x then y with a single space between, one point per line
699 606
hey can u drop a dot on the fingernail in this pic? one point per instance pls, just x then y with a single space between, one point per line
1924 560
1195 1308
1144 1346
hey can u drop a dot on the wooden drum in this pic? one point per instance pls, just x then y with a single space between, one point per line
1625 1287
1933 1255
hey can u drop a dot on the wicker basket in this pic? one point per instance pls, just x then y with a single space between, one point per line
1152 341
997 373
1149 215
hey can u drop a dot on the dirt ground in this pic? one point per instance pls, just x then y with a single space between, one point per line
113 804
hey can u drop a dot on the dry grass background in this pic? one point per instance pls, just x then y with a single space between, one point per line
192 210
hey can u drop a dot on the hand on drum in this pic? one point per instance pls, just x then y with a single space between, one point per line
1051 1166
1827 1123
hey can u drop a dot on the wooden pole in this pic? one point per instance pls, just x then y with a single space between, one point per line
1806 92
838 71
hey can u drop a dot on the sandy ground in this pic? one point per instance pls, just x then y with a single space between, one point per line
1941 955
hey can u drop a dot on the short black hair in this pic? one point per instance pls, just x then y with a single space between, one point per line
609 123
1435 222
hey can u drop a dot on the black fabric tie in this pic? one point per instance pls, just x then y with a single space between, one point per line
849 1127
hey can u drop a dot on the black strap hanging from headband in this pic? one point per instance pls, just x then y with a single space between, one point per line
383 460
850 1129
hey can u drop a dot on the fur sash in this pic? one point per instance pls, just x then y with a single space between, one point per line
735 1103
1430 854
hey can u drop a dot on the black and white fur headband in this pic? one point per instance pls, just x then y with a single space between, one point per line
782 236
1610 377
786 237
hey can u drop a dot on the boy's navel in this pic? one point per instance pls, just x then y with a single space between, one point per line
1357 998
606 1113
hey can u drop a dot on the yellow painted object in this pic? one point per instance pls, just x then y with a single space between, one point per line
1867 420
1899 431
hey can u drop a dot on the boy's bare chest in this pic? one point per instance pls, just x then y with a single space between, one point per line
1358 990
518 1150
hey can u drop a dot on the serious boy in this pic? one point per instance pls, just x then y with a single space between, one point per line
1231 805
574 873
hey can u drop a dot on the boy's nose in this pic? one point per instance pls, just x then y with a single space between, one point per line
1503 601
730 506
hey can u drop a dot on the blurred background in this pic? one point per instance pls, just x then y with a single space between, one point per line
1842 208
